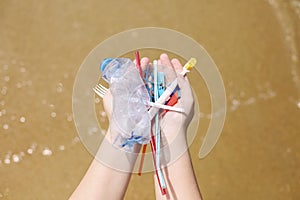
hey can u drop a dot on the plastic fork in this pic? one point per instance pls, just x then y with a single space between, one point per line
100 90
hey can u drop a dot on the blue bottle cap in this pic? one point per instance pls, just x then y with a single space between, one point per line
104 63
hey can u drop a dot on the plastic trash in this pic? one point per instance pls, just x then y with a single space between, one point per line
130 121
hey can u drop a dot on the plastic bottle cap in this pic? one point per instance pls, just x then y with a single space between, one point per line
104 63
190 64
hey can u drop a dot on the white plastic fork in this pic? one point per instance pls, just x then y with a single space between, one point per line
100 90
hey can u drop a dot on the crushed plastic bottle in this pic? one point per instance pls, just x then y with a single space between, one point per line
130 121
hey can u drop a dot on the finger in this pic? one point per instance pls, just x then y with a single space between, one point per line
185 88
183 81
165 61
177 65
167 68
159 62
144 63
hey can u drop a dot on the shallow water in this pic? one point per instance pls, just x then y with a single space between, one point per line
254 43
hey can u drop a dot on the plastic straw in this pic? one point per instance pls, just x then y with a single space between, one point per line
153 148
142 159
162 99
138 63
157 129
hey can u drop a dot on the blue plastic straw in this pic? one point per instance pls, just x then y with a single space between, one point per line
157 128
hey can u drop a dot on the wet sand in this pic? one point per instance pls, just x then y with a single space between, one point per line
254 43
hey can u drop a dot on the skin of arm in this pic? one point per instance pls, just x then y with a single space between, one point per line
100 180
104 182
180 180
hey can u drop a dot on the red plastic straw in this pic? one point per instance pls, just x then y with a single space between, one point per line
172 101
153 149
138 63
142 159
152 142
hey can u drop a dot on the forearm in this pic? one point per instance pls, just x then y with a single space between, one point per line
179 174
102 181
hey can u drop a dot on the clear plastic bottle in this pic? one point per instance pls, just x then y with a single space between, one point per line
130 119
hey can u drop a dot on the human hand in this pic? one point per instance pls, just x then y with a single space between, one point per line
175 124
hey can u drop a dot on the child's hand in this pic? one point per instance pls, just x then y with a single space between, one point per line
174 123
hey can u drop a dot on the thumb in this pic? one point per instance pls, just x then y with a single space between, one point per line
185 88
183 82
